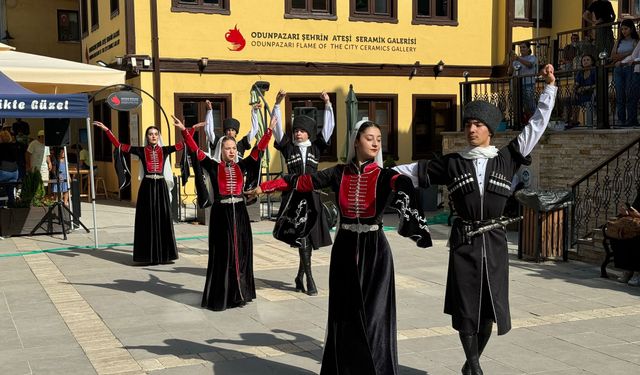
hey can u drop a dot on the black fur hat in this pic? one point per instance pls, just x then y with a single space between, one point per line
307 124
484 112
230 123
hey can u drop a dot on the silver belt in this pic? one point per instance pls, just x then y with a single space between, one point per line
360 228
154 176
231 200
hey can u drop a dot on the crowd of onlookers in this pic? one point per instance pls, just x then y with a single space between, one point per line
21 152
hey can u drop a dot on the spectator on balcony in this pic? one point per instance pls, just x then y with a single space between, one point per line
584 88
525 65
634 89
570 53
601 12
626 107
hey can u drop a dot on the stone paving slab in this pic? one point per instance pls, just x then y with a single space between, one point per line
77 310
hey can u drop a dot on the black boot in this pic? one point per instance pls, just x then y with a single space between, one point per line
306 259
470 346
483 338
298 279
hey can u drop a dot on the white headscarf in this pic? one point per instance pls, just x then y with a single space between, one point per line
166 172
352 150
217 153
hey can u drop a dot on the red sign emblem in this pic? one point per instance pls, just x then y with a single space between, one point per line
236 39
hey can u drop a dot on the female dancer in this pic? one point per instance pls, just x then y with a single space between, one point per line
361 331
229 280
154 240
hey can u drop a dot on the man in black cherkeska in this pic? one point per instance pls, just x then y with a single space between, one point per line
479 183
301 152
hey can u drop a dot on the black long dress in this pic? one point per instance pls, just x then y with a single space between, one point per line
229 281
361 329
154 239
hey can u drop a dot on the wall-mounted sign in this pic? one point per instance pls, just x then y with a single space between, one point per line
124 100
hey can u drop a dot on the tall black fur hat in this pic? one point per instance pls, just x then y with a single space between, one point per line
307 124
484 112
230 123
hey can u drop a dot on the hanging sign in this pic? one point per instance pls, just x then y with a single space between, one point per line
124 100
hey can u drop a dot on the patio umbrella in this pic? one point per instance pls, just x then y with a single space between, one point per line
48 75
352 116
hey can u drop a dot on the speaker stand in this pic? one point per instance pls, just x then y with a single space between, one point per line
50 216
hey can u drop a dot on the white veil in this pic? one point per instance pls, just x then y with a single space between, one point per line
166 172
217 152
352 150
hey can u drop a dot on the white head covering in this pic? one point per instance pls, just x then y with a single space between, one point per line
352 150
166 172
217 153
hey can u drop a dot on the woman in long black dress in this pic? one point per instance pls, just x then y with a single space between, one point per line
154 239
229 280
361 329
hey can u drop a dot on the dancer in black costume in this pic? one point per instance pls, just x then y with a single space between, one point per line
154 239
229 281
361 328
479 182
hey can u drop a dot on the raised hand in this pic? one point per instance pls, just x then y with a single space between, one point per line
281 94
199 125
100 125
178 123
547 73
325 97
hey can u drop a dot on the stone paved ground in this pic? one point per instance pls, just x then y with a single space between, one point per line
68 309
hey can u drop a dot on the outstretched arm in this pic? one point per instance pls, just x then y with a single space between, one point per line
531 133
116 143
209 125
278 132
188 139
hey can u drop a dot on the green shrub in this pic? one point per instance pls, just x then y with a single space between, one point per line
32 192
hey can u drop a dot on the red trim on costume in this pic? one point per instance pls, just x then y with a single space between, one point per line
304 184
357 193
154 159
278 184
125 148
230 179
262 144
393 181
113 138
179 146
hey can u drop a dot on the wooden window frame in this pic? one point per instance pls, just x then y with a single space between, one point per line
454 112
178 100
309 13
84 18
77 13
373 17
450 20
95 15
114 10
546 21
331 153
633 4
224 7
392 139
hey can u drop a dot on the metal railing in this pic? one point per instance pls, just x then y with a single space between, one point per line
598 194
541 48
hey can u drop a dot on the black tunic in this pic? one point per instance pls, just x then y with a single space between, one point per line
319 235
478 273
361 329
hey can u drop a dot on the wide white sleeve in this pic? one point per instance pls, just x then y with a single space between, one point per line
209 127
532 132
277 132
255 124
410 170
329 122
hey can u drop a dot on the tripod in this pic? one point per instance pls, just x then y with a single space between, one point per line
58 206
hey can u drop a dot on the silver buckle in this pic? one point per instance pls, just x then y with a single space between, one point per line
231 200
360 228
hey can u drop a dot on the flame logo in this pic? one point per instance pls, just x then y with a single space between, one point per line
115 100
236 39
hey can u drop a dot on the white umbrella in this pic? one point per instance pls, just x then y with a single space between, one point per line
48 75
